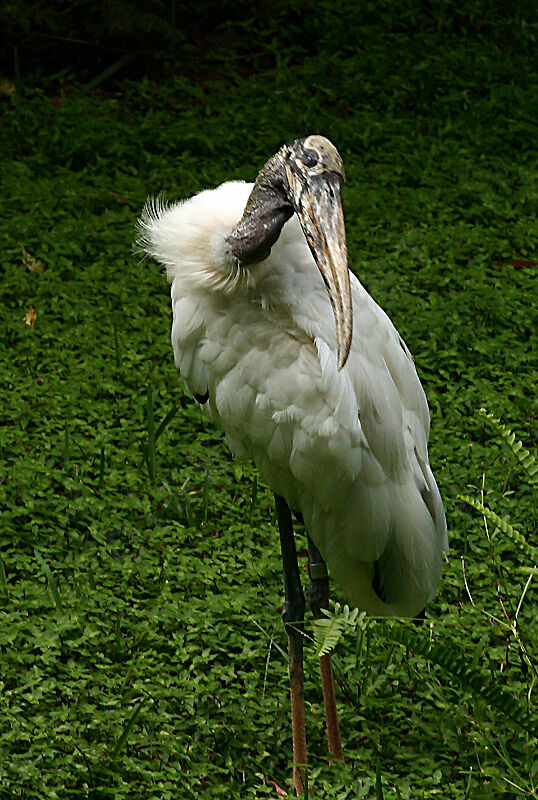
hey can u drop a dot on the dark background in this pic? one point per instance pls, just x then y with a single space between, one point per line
103 42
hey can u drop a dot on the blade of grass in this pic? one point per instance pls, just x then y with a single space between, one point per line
3 578
51 581
468 786
108 72
118 747
253 498
67 448
101 465
306 792
188 511
150 447
117 349
169 417
205 495
378 785
17 72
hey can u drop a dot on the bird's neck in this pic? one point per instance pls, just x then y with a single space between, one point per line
266 211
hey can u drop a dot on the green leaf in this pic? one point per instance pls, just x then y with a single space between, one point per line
527 461
329 630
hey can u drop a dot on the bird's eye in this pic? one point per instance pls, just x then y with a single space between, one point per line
310 159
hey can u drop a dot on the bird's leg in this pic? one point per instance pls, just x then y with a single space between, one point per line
293 616
318 598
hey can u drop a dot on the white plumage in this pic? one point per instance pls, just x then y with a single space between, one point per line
348 448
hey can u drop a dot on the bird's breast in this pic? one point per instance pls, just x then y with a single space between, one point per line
267 391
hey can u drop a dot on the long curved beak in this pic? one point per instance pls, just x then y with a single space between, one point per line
318 204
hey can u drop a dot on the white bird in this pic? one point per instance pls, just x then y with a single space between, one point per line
308 377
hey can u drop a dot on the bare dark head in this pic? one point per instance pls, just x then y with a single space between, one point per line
314 155
305 176
314 175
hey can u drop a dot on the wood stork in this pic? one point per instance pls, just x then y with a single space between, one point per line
308 377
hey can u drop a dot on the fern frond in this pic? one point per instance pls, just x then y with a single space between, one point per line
503 526
529 570
456 662
526 459
329 630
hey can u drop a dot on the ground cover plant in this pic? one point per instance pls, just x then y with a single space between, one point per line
142 653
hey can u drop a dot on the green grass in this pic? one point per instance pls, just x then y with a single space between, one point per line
142 653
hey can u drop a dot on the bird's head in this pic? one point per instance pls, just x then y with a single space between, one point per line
315 175
305 176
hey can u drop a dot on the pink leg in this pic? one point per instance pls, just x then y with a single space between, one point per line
318 598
